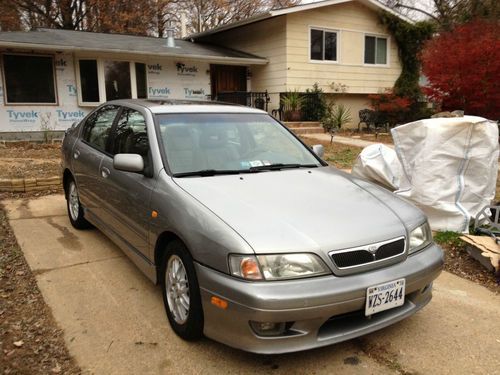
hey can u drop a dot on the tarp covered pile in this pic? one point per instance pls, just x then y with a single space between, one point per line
446 166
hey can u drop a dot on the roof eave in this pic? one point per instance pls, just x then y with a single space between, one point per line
49 47
374 4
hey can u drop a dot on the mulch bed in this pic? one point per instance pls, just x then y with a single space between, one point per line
29 160
30 341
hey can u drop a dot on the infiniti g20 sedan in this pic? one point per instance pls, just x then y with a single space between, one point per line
256 242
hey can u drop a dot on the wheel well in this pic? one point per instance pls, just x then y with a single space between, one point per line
66 177
161 243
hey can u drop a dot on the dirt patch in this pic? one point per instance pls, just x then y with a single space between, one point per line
30 341
30 160
460 263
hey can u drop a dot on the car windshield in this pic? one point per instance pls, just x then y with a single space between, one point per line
214 143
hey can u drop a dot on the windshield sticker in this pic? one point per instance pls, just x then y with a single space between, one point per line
256 163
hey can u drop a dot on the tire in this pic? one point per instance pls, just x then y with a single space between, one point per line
187 323
75 210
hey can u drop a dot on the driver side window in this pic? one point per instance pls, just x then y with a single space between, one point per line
98 127
130 135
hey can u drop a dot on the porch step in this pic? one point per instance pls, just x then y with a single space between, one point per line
302 124
308 130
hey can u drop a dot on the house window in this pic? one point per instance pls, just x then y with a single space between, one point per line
323 45
88 81
29 79
102 80
141 80
117 80
375 50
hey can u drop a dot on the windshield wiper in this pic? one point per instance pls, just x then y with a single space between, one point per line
207 172
280 166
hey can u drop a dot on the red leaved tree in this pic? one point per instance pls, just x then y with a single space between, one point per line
463 69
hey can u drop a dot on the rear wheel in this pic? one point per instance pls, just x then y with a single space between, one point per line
181 292
75 210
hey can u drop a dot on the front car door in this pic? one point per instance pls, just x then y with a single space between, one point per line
88 153
128 194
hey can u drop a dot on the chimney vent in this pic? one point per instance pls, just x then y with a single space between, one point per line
170 36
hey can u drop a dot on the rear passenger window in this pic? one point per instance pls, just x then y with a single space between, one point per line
98 127
130 136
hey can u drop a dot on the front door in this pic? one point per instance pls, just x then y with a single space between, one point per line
128 194
228 79
88 153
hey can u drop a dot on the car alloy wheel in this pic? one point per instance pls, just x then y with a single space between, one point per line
177 289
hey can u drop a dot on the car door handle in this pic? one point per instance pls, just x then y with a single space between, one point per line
105 172
76 154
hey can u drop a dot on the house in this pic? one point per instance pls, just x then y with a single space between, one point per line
51 78
340 44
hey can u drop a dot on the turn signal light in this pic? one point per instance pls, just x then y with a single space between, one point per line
220 303
250 269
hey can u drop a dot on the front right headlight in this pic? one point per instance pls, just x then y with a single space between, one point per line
277 266
420 237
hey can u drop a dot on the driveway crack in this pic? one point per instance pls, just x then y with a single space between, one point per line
45 270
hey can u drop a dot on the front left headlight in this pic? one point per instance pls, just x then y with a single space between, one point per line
277 266
420 237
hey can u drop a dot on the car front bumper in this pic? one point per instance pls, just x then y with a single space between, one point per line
324 310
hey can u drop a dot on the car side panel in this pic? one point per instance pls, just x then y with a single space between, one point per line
86 162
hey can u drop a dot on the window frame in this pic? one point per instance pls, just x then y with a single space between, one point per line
101 78
337 32
54 72
387 52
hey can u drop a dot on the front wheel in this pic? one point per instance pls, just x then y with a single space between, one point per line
181 293
75 210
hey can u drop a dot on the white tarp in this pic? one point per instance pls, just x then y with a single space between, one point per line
450 167
380 164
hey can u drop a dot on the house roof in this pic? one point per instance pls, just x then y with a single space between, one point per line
373 4
68 40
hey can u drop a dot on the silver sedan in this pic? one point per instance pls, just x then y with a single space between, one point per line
256 242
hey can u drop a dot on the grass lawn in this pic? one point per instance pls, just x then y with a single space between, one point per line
337 154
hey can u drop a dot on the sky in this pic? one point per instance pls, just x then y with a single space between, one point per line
423 4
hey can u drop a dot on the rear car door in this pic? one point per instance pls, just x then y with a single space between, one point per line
128 194
88 153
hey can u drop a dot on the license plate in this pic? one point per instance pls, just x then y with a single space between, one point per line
385 296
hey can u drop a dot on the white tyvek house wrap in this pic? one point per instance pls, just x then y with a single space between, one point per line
380 164
450 167
167 78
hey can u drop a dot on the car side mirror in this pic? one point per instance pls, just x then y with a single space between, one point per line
319 150
129 163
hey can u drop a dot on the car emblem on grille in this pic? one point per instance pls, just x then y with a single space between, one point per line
372 249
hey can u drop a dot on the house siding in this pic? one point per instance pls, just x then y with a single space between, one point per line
352 21
265 39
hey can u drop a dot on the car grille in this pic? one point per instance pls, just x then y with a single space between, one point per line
368 254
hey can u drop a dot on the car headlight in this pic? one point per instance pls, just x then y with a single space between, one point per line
420 237
277 266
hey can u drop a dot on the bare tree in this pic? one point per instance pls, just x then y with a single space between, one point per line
446 13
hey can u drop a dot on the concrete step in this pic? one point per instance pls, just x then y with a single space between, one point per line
302 124
308 130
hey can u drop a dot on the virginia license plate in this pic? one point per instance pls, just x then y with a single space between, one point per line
385 296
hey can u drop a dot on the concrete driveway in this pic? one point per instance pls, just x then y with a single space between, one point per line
114 321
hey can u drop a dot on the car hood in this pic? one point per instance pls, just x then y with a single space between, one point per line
319 209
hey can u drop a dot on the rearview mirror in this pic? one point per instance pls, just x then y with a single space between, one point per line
128 163
319 150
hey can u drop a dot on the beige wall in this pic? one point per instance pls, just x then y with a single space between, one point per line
351 21
264 39
284 41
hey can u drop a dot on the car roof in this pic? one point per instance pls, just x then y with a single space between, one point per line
186 106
